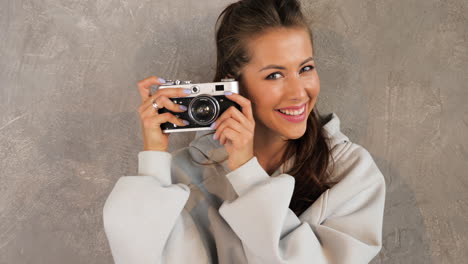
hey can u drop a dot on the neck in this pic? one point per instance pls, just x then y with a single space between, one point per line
269 149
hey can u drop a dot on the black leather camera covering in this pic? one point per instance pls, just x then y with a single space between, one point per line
223 101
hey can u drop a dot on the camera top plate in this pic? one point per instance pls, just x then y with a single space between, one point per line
210 88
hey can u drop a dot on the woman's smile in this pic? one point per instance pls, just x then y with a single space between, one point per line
293 114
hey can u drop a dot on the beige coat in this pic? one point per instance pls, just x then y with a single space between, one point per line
176 211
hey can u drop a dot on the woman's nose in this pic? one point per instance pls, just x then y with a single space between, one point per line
295 88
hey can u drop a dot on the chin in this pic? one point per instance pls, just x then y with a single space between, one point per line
297 133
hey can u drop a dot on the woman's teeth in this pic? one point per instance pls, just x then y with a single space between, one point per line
293 112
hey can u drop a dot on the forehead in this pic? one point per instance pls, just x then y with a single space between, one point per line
280 46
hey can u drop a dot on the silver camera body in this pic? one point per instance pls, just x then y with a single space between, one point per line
204 105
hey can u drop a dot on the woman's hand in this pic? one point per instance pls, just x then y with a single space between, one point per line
235 130
151 120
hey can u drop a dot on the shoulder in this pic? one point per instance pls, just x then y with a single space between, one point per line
354 164
349 160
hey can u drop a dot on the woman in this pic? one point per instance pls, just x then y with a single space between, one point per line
275 182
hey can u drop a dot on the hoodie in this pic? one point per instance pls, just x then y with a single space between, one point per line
177 210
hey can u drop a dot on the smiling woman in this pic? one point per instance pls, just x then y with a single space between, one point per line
275 183
278 75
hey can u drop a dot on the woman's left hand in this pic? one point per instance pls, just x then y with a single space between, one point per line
235 130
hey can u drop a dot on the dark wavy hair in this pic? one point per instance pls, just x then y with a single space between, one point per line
239 22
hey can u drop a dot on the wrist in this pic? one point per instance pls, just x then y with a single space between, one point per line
149 148
241 162
247 175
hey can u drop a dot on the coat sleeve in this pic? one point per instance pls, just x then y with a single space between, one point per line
144 215
343 225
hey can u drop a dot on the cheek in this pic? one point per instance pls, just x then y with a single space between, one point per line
263 106
313 87
263 95
268 100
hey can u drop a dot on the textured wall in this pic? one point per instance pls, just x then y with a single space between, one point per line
395 72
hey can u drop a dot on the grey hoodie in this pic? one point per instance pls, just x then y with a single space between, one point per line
177 211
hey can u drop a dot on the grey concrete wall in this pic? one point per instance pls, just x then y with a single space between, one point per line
395 72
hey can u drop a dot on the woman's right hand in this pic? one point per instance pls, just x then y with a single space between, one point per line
151 120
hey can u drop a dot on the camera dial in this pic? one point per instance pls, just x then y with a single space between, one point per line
195 89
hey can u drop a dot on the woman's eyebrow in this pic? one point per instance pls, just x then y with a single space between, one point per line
272 66
306 61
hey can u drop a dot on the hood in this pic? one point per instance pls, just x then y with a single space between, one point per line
333 130
205 149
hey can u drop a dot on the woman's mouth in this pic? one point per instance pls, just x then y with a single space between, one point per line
293 114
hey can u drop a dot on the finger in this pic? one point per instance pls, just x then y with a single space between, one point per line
145 84
240 138
163 118
151 123
229 134
233 112
168 92
162 102
245 104
229 123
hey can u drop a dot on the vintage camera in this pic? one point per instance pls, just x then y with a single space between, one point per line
204 105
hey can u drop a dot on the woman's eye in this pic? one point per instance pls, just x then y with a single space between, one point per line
274 76
307 68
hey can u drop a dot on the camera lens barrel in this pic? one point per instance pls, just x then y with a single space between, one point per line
203 109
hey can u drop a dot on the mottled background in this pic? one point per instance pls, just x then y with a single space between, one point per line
395 72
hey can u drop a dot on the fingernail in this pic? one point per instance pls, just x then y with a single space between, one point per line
227 93
213 125
161 80
187 91
185 122
183 107
214 136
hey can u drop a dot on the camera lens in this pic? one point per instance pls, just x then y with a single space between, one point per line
203 109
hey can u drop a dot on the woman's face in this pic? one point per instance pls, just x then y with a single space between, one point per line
281 81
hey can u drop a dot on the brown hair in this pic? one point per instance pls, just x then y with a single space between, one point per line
235 25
